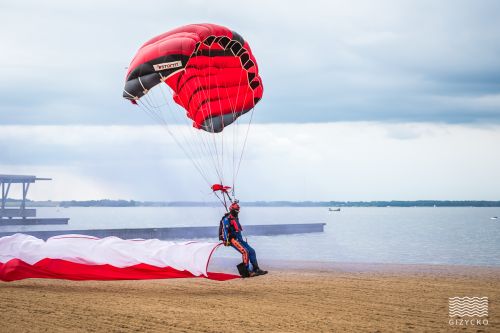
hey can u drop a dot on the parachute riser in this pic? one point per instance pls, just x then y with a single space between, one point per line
230 200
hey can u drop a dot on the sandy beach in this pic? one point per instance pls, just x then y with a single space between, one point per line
314 298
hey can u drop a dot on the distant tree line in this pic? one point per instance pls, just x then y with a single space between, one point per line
134 203
393 203
99 203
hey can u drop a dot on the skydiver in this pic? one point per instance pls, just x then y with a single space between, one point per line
230 233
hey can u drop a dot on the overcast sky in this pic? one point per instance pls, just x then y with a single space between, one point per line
363 100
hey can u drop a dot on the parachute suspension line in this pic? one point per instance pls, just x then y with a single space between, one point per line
193 149
212 152
235 124
155 112
222 200
190 139
189 152
210 138
221 132
173 114
147 105
235 130
211 142
235 135
206 140
201 134
161 120
236 144
187 136
217 150
245 142
210 112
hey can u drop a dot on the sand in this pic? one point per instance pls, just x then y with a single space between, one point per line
315 298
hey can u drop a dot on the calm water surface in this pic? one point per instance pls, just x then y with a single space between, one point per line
375 235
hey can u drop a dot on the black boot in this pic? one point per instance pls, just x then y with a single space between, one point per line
242 269
259 271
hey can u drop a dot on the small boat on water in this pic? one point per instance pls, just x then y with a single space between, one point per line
333 209
494 218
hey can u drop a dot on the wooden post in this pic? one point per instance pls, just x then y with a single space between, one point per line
5 194
26 187
3 197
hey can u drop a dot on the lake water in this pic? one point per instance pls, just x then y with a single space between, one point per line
440 235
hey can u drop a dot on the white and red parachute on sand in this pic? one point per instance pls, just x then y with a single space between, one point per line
80 257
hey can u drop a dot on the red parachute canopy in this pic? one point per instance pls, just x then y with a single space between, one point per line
211 70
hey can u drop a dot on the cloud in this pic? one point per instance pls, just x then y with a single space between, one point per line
322 61
315 161
363 100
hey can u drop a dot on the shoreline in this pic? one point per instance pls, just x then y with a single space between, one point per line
117 203
376 267
227 264
334 297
